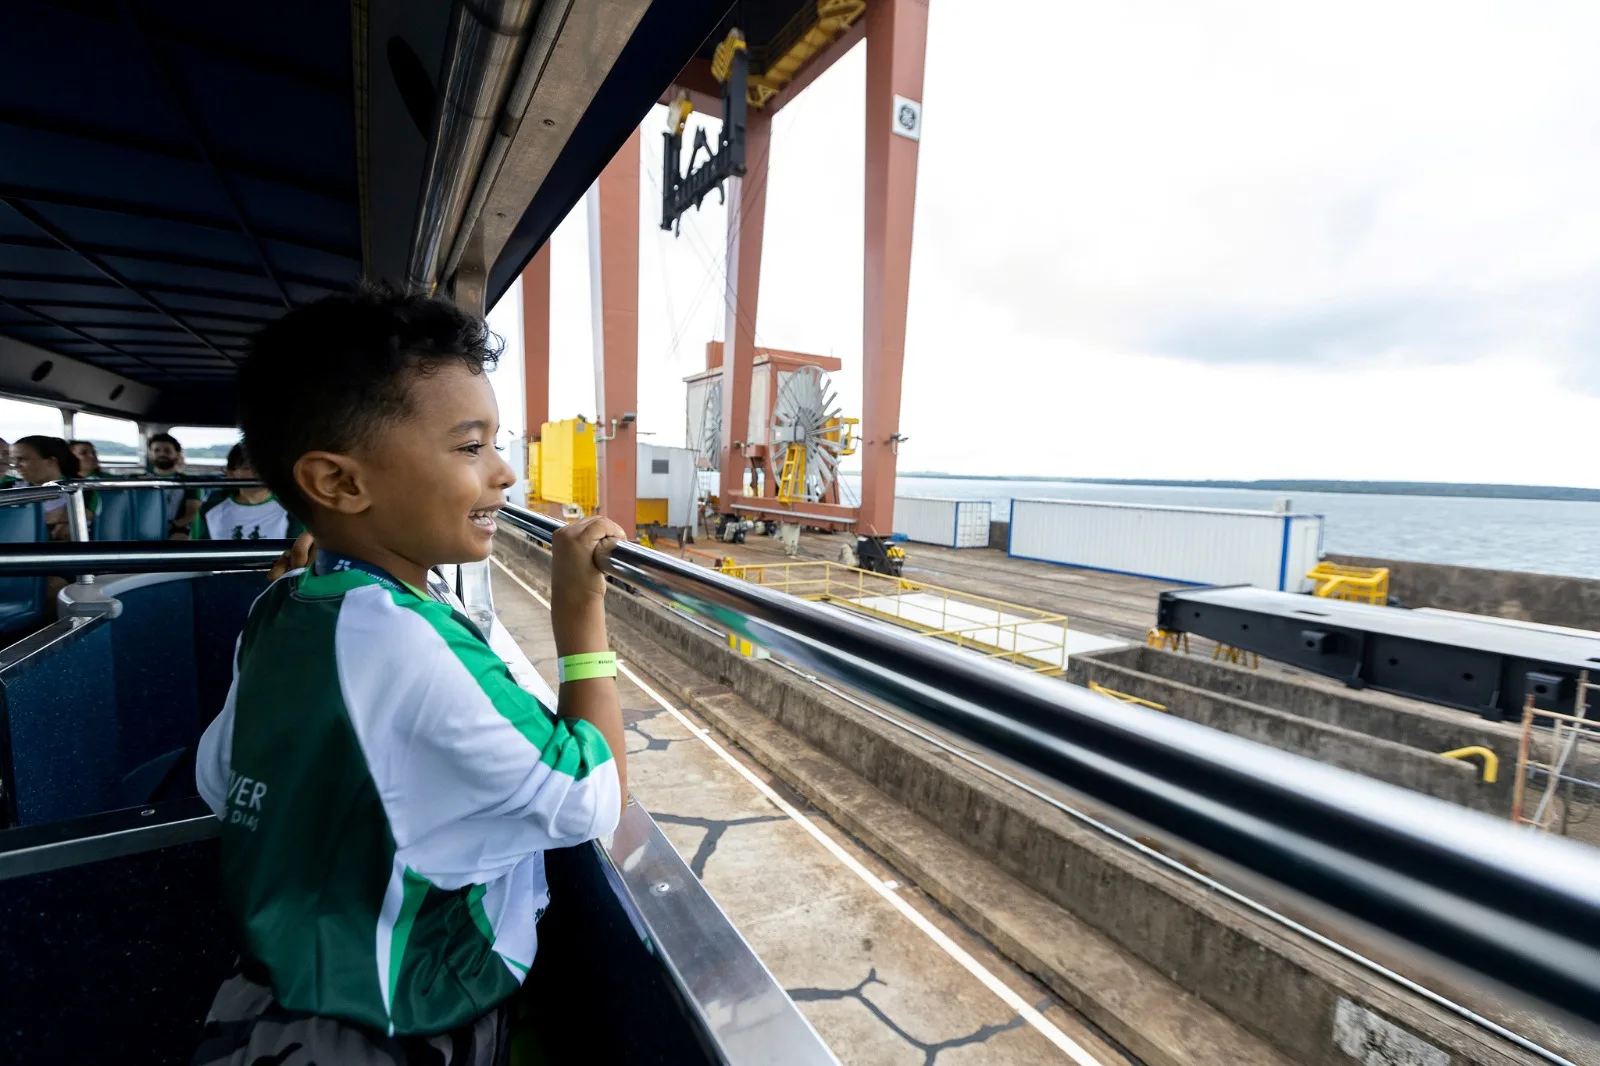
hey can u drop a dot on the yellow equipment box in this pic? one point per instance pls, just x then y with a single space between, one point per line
568 467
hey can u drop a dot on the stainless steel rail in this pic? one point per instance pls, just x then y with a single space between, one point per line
486 43
1516 909
56 490
138 557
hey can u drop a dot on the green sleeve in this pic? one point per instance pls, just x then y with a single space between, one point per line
296 527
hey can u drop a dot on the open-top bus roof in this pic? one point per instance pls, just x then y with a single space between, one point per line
174 174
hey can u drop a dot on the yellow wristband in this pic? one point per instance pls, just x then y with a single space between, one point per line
586 666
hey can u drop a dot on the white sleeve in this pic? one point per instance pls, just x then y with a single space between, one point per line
213 758
473 775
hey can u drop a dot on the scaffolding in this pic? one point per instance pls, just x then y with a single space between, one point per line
1558 768
1026 636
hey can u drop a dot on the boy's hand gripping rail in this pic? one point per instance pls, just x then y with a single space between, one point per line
1515 908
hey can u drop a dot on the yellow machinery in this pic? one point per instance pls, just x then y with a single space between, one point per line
837 436
812 29
1358 584
563 466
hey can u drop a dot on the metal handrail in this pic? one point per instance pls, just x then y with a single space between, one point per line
65 559
1463 886
57 490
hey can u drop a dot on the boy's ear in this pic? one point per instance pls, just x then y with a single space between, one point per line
332 481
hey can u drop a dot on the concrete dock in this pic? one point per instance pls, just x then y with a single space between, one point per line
1133 954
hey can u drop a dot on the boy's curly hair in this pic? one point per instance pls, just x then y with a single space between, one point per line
326 376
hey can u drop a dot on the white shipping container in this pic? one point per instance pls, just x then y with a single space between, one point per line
668 474
1192 545
951 523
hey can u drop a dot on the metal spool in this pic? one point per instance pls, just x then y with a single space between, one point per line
802 415
710 442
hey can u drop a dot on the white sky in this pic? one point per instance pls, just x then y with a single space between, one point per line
1191 240
1169 239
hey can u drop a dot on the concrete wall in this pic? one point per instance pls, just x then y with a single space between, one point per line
1280 987
999 535
1275 724
1547 598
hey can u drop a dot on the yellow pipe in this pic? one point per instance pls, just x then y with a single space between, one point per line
1095 686
1491 761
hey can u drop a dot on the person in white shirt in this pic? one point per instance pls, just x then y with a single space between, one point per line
43 459
248 514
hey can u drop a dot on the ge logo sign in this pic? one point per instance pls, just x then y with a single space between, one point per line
907 118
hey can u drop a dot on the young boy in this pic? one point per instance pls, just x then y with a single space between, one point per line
386 789
248 514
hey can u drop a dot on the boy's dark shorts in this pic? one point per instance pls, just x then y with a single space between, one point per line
246 1026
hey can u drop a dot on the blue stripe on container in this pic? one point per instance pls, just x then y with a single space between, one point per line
1283 559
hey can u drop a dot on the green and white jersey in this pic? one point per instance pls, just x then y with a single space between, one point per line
387 793
226 517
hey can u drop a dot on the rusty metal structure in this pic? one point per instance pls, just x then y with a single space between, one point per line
784 46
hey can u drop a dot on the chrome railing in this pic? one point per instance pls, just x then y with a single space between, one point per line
72 490
1515 909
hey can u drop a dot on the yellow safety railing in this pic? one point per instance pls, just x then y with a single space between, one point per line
1359 584
1095 686
1011 632
1491 761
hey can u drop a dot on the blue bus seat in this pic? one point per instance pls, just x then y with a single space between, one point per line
139 514
22 599
89 719
114 955
153 780
116 960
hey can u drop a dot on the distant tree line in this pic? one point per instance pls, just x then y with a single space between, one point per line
110 449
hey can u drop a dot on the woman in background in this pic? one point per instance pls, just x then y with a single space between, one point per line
44 459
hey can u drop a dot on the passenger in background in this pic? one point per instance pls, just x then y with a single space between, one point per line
88 459
43 459
7 478
164 459
248 514
89 467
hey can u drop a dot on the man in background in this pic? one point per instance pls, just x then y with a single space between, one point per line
164 459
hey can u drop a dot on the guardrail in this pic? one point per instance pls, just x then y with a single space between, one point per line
1024 636
1515 909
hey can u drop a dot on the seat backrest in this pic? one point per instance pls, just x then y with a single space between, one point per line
140 514
21 598
113 960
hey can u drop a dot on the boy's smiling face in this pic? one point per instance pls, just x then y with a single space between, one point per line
436 478
429 482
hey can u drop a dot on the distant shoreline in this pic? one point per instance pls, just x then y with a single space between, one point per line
1374 488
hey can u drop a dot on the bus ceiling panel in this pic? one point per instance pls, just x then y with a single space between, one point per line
155 277
665 38
249 119
101 76
71 381
158 224
73 165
